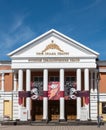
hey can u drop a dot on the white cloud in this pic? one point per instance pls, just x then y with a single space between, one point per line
19 33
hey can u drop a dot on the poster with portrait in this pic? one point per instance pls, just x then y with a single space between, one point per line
54 90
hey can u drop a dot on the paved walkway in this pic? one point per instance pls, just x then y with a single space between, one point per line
17 127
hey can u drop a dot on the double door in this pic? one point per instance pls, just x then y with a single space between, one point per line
53 110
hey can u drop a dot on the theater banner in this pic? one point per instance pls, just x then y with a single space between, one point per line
54 90
53 93
70 90
37 90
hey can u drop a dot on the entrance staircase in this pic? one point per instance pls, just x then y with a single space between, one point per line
50 123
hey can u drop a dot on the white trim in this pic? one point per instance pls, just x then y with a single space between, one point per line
102 70
6 71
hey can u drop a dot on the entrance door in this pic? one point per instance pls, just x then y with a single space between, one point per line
7 108
70 109
37 110
53 110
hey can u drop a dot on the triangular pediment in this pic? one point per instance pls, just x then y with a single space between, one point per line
53 44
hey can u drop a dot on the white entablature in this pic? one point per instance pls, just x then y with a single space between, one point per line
53 48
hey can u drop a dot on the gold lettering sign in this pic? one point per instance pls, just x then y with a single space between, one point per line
52 46
45 60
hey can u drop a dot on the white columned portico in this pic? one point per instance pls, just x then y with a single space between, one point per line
20 88
78 89
45 94
2 82
62 117
86 85
28 101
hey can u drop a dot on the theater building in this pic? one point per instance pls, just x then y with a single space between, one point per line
53 77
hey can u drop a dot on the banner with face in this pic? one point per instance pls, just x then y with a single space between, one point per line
54 91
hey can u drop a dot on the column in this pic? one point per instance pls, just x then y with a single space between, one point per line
91 82
15 82
95 89
28 101
2 82
62 117
78 89
20 88
45 95
86 85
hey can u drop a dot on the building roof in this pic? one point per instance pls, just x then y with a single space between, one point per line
58 34
101 63
5 62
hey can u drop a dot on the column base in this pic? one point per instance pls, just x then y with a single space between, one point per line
77 119
62 120
89 120
45 120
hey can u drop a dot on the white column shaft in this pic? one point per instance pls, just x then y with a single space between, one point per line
62 117
45 99
78 88
86 84
20 88
62 109
45 108
86 79
45 80
20 80
28 101
61 79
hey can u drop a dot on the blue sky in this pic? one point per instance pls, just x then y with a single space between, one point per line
24 20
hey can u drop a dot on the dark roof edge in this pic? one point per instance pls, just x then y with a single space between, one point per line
5 62
101 62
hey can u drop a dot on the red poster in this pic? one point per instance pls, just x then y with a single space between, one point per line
54 90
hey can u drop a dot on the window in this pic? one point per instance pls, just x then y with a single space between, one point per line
54 79
38 79
72 79
104 107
